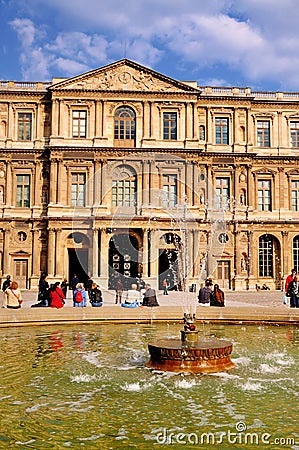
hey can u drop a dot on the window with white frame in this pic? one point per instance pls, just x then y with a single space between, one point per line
222 187
296 253
24 126
294 129
264 195
222 130
125 126
295 195
170 126
124 187
169 190
263 133
265 256
79 124
23 191
78 189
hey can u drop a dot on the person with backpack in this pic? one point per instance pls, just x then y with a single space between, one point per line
79 295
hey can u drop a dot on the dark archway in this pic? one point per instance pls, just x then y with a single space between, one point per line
123 260
168 261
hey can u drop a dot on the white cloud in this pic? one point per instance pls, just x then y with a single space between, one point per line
255 38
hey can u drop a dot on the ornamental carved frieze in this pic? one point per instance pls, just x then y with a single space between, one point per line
122 78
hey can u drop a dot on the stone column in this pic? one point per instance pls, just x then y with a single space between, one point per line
146 120
8 186
58 254
105 237
286 252
95 253
53 181
35 254
59 169
37 186
55 116
6 256
51 252
96 184
251 256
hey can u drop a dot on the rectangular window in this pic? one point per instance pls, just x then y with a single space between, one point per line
124 192
23 191
78 189
295 195
263 133
264 195
265 257
294 127
24 126
170 126
79 124
222 192
170 191
221 130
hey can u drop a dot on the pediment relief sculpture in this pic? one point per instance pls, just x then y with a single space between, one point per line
125 76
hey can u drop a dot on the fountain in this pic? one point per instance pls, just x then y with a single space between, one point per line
191 354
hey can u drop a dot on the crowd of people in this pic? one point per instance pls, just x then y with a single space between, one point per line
138 295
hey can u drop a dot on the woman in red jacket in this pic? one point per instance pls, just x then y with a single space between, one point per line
56 296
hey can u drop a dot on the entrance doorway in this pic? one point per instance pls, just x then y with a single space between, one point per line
78 263
21 272
168 269
223 274
123 260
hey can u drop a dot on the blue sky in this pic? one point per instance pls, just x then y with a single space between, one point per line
243 43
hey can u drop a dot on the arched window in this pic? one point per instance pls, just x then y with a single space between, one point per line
124 187
124 127
265 256
296 252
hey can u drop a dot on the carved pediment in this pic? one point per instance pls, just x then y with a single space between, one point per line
123 75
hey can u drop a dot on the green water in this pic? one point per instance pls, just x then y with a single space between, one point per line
87 387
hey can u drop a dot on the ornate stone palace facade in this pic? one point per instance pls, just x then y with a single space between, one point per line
125 172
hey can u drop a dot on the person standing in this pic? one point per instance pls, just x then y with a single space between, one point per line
289 279
74 281
118 291
79 295
56 296
293 292
12 296
6 283
150 298
165 286
64 285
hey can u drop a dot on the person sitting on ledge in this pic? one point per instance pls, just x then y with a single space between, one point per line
218 296
205 295
95 297
56 296
12 296
150 298
79 295
132 297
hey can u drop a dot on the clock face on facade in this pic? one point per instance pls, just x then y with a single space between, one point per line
223 238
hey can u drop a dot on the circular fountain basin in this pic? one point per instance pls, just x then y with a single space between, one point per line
207 355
